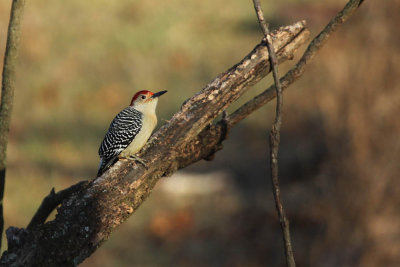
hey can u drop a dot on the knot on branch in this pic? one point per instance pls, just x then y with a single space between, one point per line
224 126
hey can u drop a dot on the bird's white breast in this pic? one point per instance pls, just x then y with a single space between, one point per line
148 125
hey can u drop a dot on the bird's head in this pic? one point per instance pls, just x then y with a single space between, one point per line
146 100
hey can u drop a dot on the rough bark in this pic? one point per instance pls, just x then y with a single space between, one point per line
87 218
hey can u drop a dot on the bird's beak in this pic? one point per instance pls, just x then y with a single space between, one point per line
155 95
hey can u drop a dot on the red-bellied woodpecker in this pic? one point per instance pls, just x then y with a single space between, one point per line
129 130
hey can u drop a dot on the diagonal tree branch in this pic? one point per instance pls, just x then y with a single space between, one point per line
7 91
86 219
51 201
274 139
298 70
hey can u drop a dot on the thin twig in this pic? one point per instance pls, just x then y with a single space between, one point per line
51 201
7 92
260 16
86 219
114 202
290 77
297 71
274 139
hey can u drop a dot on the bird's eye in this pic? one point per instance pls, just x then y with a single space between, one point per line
143 97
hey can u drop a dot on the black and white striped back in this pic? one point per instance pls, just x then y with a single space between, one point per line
123 129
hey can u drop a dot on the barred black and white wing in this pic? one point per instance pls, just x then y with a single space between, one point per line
123 129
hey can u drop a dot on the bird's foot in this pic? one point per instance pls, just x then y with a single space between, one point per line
136 158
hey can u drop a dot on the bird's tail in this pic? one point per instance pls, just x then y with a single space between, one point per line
105 165
101 168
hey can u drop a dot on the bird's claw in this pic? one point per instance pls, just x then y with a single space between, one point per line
136 158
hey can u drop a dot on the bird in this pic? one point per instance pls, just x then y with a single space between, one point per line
129 130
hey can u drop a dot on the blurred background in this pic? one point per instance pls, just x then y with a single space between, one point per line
81 61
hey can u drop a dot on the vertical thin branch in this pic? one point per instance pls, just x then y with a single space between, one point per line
261 20
274 138
7 91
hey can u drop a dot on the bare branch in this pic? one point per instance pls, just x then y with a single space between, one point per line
208 141
86 219
274 139
260 16
297 71
7 91
51 201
